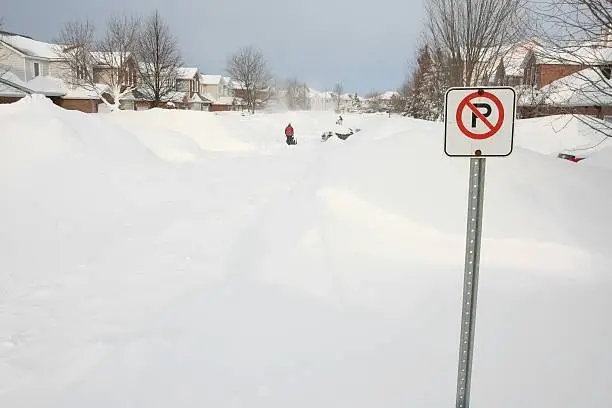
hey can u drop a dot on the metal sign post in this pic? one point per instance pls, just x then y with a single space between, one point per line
479 123
470 282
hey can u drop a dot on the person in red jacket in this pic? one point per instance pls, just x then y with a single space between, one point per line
289 135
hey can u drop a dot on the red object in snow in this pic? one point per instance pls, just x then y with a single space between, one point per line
570 157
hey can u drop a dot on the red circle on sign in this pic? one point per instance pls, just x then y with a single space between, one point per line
493 128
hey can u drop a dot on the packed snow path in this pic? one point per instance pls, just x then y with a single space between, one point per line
165 266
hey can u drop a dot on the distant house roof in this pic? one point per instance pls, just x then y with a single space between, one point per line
573 55
198 98
112 59
588 87
186 73
29 47
211 79
386 96
225 100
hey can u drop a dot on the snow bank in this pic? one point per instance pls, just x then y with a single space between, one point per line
200 127
322 274
552 135
601 158
35 131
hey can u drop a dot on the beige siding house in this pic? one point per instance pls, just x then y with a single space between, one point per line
28 58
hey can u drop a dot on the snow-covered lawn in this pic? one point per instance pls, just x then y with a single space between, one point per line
190 259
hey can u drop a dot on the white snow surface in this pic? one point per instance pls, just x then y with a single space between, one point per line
179 259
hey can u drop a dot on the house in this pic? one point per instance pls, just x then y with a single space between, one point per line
188 91
220 91
575 80
28 58
586 92
510 66
12 89
33 62
113 67
543 65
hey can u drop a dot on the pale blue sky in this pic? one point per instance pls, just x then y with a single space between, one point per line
321 42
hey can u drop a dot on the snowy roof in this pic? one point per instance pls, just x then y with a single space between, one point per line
113 59
236 84
225 100
48 85
197 98
86 93
584 88
186 73
52 86
178 97
12 86
514 59
388 95
30 47
574 55
211 79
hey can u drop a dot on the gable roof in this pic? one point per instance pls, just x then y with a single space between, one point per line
186 73
573 55
29 47
198 98
211 79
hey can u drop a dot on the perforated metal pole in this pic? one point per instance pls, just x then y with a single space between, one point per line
470 282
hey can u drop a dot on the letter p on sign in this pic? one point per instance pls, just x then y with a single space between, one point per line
479 122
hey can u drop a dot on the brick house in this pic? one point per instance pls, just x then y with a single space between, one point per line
574 81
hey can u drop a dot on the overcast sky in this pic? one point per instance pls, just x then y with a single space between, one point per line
320 42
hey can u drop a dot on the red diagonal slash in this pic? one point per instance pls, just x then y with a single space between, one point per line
480 115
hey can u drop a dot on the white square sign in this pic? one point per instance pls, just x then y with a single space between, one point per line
479 122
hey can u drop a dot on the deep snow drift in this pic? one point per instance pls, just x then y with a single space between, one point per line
163 258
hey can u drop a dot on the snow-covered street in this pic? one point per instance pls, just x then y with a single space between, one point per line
179 259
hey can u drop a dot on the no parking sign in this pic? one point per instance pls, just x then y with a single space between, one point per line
479 122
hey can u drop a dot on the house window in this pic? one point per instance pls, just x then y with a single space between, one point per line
81 72
36 69
606 70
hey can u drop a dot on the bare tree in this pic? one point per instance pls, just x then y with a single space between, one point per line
578 33
375 101
3 52
400 104
337 94
249 68
158 60
473 34
297 95
105 64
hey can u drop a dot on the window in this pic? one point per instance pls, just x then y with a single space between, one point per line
36 69
606 70
81 72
